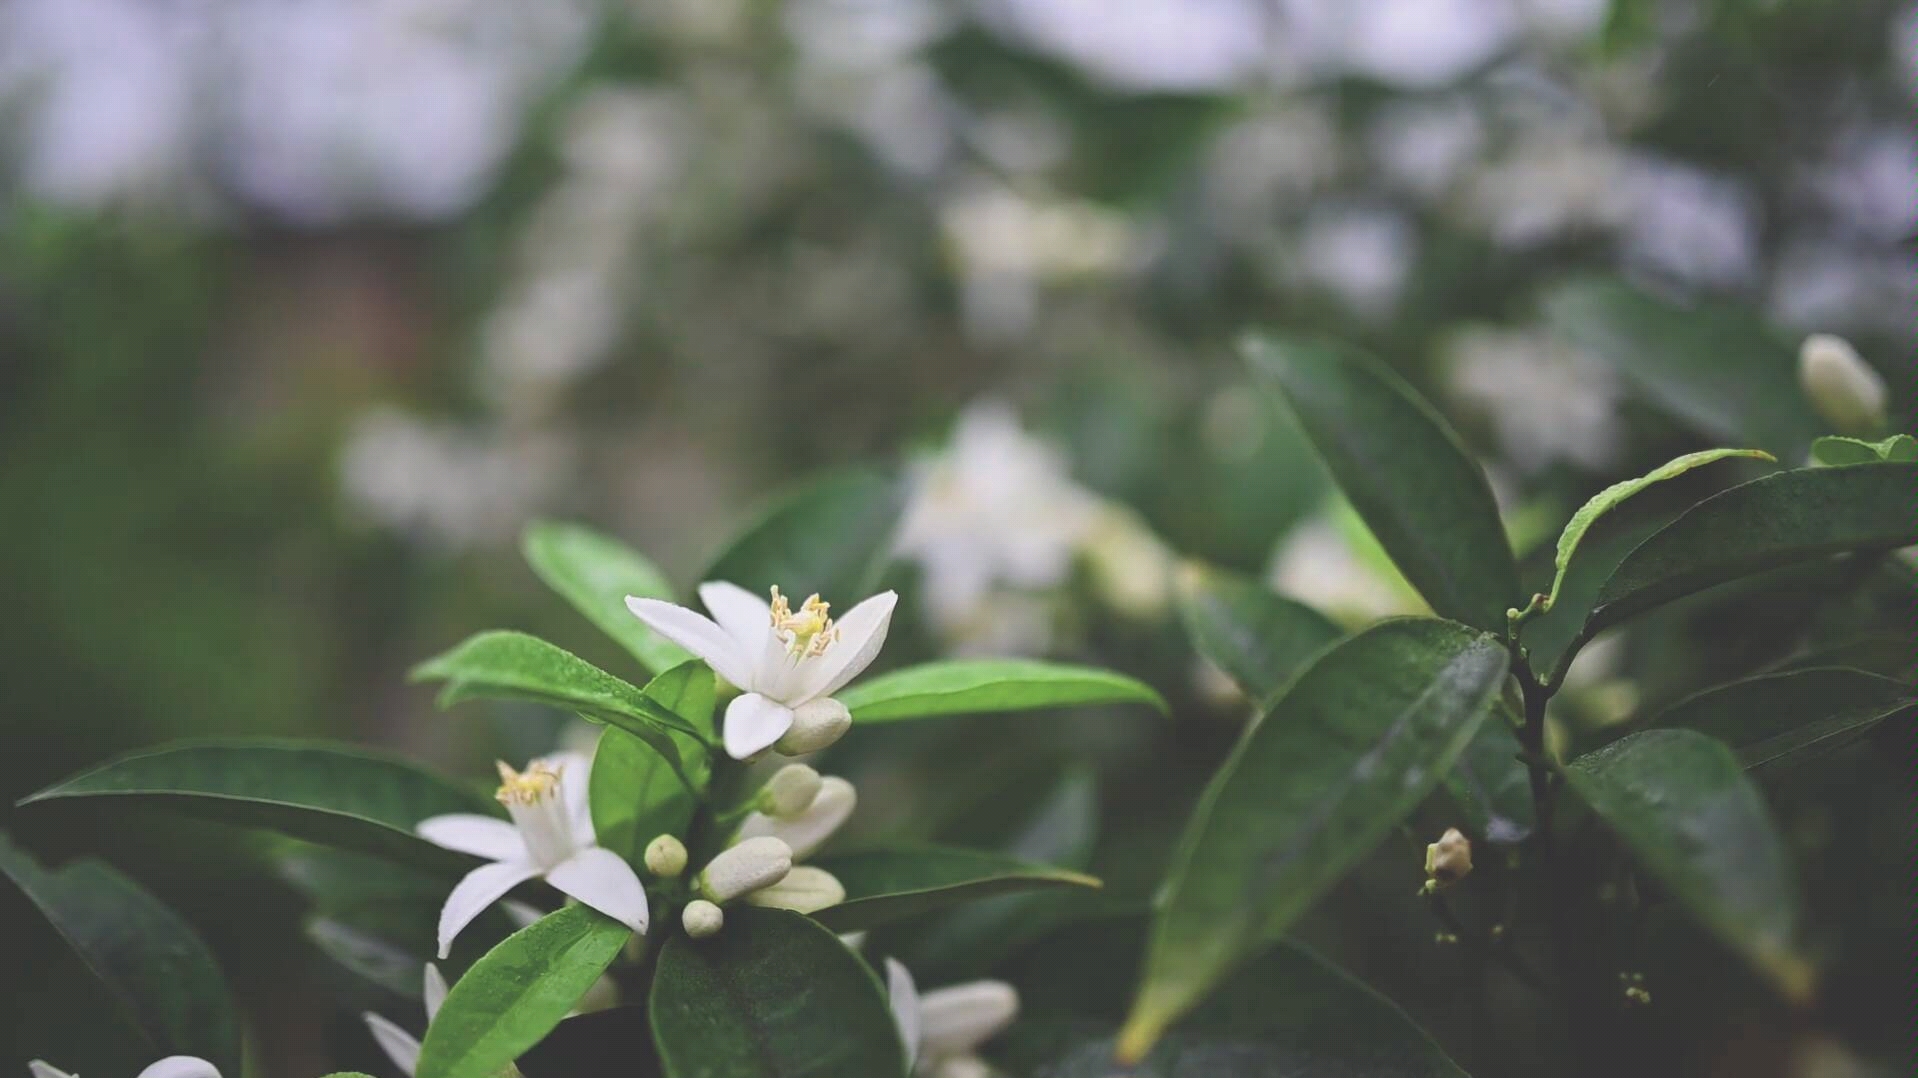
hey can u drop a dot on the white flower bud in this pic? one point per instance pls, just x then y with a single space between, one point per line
754 863
701 918
1448 860
789 791
816 725
804 890
956 1020
810 829
962 1067
665 856
1842 387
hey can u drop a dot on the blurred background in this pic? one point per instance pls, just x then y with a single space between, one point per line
308 306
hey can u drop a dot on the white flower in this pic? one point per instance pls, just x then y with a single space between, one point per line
805 889
170 1067
944 1028
786 663
551 837
1844 389
400 1046
1546 400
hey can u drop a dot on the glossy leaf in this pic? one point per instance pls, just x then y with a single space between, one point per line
1680 802
514 666
1286 1012
332 794
1608 499
1358 740
1258 637
773 995
981 686
1837 450
1492 786
159 974
635 794
1717 368
518 992
1777 719
1770 522
1405 471
832 537
366 954
890 883
596 573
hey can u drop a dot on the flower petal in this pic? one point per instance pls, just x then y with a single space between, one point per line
746 617
181 1067
520 913
575 770
697 634
810 829
603 880
400 1046
862 632
955 1020
40 1068
481 836
903 995
754 722
481 888
434 991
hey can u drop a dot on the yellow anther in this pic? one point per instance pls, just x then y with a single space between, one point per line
536 783
807 633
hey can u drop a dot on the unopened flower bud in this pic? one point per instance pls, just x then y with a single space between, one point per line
1842 387
1448 860
754 863
789 791
701 918
804 890
962 1067
816 725
810 829
966 1014
665 856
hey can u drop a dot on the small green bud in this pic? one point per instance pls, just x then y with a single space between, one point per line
789 792
701 918
665 857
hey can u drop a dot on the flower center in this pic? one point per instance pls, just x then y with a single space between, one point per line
538 782
807 633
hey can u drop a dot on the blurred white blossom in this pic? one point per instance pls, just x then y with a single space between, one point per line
1547 401
1142 44
1696 226
1361 254
444 485
1425 146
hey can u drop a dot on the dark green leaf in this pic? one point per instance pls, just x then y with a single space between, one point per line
831 537
335 795
1257 637
1608 499
1784 718
1405 471
1770 522
1679 800
158 972
773 995
596 573
979 686
891 883
1491 784
1717 368
518 992
1358 740
635 794
1285 1013
367 954
1837 450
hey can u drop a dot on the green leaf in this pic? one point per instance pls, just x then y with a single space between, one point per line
518 992
596 573
980 686
773 995
1780 519
1405 471
1361 737
1286 1012
514 666
1836 450
1774 720
1608 499
895 882
1717 368
634 792
832 537
1257 637
1492 786
335 795
367 954
159 974
1681 803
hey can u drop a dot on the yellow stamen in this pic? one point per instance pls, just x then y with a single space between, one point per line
807 633
536 783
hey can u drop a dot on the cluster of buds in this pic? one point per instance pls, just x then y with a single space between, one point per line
794 814
1635 991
